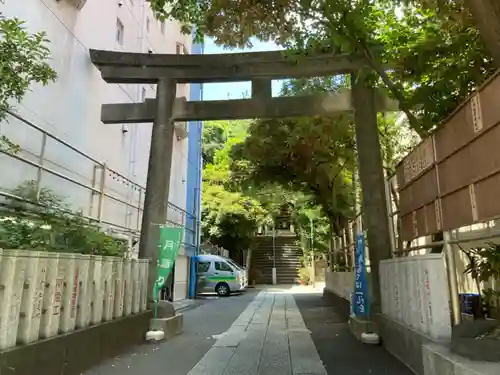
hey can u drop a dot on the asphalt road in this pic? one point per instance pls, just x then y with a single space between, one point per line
339 350
178 355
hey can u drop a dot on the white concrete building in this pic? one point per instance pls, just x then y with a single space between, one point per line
70 110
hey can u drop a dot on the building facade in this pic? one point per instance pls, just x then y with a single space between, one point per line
99 169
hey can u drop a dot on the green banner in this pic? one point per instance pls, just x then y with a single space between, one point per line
168 248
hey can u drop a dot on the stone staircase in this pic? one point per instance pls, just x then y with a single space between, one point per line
287 260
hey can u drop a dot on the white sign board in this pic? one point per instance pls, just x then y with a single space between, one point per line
415 293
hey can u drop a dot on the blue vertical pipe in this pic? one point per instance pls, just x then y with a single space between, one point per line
193 185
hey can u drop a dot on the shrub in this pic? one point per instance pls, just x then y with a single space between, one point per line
48 224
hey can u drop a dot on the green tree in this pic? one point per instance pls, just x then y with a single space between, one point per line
229 217
312 155
23 61
437 60
485 14
216 134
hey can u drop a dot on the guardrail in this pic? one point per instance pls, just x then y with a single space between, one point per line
99 190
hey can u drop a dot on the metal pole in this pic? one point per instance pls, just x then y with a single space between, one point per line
274 247
138 222
102 185
352 245
40 169
345 249
92 192
313 260
335 253
451 270
392 230
158 179
274 274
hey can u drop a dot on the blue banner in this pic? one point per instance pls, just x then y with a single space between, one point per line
361 306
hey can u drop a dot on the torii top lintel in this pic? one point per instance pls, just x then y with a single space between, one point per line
123 67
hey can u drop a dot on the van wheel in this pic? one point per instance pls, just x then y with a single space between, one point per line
222 289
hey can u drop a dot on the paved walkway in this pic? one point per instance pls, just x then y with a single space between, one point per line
341 352
273 331
180 354
268 338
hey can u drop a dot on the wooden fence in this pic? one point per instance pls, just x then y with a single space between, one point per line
452 178
45 294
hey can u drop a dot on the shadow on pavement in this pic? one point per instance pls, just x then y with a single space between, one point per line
339 350
177 356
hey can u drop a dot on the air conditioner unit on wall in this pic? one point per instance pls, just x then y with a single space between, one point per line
78 4
181 130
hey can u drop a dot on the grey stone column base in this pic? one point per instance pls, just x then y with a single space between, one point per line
171 326
359 326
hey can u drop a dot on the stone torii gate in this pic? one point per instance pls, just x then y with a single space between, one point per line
260 68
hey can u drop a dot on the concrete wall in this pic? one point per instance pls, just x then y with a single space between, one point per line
340 283
70 108
414 292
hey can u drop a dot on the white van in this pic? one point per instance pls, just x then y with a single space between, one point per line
217 274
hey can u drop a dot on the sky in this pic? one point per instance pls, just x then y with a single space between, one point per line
235 90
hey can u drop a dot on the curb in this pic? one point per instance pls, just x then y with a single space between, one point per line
190 306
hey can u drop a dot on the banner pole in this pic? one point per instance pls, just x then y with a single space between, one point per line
169 243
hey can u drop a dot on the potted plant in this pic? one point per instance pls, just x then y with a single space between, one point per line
304 276
484 265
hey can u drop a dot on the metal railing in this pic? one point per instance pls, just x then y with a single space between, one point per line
98 188
344 246
478 235
425 244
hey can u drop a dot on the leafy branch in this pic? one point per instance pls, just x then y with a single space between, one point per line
23 61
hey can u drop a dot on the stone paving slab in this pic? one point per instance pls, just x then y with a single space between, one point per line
246 358
268 338
214 362
275 358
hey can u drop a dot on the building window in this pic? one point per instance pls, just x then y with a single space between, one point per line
162 27
147 24
179 49
119 32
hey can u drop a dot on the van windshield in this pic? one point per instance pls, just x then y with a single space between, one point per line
235 265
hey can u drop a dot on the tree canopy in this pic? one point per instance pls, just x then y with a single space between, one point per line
229 217
433 47
312 155
216 134
429 55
